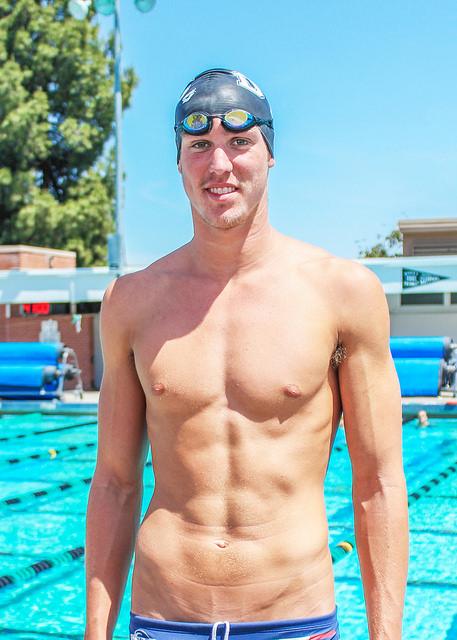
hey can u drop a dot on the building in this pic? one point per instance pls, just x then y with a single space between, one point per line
421 293
429 237
426 304
23 310
20 256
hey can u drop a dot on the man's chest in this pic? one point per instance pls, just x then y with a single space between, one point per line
257 350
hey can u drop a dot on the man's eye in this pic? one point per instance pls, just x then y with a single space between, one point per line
240 142
201 144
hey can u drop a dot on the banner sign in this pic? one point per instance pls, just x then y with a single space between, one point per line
413 278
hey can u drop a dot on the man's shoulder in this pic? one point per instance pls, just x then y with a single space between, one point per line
356 282
347 274
358 296
134 287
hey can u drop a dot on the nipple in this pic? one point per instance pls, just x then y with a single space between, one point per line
221 543
292 391
158 388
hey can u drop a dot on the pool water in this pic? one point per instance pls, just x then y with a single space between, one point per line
52 604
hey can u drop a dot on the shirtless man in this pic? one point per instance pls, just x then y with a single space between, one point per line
234 357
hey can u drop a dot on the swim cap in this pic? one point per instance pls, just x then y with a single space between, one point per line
217 91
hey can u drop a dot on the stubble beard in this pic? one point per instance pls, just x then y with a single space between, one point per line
227 220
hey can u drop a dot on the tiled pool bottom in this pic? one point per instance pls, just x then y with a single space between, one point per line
52 603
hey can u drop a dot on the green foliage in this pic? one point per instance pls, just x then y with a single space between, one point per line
385 249
56 118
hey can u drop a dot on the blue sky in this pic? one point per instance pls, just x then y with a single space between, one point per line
364 98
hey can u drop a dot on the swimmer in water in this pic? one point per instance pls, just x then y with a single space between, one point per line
422 419
233 357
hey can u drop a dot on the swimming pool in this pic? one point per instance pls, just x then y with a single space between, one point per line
39 528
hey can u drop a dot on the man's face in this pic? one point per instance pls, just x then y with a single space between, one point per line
225 174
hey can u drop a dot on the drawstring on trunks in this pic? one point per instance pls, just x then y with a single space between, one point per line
214 630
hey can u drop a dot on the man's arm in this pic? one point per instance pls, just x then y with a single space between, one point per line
371 398
115 497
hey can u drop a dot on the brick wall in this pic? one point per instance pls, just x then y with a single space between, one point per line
23 257
27 329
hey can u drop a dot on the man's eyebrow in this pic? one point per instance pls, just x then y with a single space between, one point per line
191 138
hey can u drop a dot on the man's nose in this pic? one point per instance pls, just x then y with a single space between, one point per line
220 162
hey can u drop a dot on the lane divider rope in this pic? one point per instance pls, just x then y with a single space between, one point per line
344 547
30 495
425 488
435 455
32 570
42 493
52 453
38 432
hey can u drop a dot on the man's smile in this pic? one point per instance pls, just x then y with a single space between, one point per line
219 191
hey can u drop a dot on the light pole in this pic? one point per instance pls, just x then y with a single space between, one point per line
79 10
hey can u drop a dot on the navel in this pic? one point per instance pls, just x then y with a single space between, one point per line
292 391
158 388
222 544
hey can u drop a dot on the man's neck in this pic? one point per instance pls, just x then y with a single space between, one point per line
223 254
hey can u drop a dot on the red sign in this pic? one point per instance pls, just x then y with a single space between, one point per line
42 308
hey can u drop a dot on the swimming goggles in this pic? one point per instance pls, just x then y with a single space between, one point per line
233 120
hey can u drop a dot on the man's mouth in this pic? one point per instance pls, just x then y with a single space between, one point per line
221 190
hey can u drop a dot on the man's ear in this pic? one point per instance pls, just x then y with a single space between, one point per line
180 167
271 162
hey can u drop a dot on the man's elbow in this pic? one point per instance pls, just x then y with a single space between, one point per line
111 480
371 484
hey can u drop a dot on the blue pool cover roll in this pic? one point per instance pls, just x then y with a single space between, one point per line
420 347
30 352
26 377
419 376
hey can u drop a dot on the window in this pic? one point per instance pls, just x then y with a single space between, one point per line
60 308
422 298
88 307
56 308
44 308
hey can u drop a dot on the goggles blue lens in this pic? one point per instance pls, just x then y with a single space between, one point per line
234 120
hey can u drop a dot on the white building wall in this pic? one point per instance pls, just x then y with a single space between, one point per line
422 320
424 324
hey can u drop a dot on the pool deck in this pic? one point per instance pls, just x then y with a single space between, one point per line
429 400
89 397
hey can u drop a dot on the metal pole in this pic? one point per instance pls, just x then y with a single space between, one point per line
116 244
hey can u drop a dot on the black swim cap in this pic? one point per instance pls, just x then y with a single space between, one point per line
217 91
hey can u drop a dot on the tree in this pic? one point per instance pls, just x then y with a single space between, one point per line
56 119
384 249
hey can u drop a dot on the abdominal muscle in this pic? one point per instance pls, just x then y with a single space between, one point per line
250 547
213 574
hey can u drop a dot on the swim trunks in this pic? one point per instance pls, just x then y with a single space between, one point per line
320 628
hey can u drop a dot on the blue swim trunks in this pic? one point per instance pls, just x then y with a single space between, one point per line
320 628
